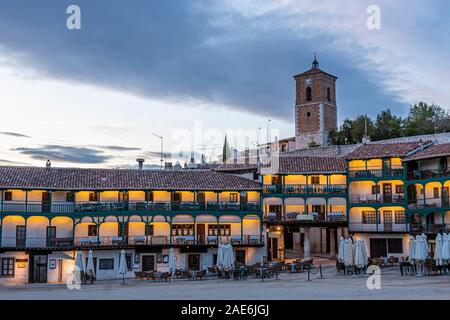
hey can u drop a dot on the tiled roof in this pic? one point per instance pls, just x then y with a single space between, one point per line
383 150
313 71
119 179
233 167
305 165
437 150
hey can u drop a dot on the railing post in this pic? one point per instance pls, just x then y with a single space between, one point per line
3 198
74 201
26 201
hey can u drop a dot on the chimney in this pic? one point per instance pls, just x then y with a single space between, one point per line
48 164
140 162
168 165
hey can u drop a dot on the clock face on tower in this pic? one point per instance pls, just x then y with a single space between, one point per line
308 81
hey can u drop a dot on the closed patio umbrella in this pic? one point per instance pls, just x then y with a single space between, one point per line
231 258
359 259
341 252
438 250
219 261
446 247
412 249
348 259
79 262
172 264
364 253
122 265
90 268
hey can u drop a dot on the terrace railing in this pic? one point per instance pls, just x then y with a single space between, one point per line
429 203
356 173
376 199
322 189
380 227
427 174
313 217
136 240
139 206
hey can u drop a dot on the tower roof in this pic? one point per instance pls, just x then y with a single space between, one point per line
314 70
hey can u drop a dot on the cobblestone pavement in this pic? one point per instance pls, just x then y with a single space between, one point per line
289 286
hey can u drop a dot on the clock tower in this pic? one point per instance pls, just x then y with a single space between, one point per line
315 107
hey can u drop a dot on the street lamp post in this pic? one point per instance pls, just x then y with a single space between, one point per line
162 147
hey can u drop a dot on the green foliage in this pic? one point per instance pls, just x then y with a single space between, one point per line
422 119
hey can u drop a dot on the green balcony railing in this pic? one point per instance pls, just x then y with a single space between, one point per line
321 189
139 206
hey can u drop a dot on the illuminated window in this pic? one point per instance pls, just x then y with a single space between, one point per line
315 180
400 217
436 193
92 230
234 197
369 217
93 196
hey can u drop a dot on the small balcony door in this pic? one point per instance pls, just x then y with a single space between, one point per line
125 200
51 236
21 236
446 196
46 204
387 193
387 218
201 233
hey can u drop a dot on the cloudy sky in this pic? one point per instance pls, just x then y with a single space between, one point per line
194 70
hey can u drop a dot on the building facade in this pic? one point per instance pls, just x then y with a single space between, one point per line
305 205
49 214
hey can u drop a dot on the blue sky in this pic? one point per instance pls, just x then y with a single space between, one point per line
195 70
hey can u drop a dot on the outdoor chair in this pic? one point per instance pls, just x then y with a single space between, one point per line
165 276
212 271
340 267
139 275
149 275
430 267
200 275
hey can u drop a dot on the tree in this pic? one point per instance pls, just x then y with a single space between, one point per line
387 126
226 152
426 119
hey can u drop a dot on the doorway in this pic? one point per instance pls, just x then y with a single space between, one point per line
201 233
51 236
148 263
193 261
387 219
38 269
378 248
46 204
387 193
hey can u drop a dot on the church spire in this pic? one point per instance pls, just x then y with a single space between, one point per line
315 63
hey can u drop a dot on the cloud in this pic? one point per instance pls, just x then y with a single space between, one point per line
61 153
14 134
237 54
9 162
118 148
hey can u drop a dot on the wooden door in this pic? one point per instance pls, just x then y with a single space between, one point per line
51 236
148 263
201 233
387 193
46 202
194 261
378 247
387 218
